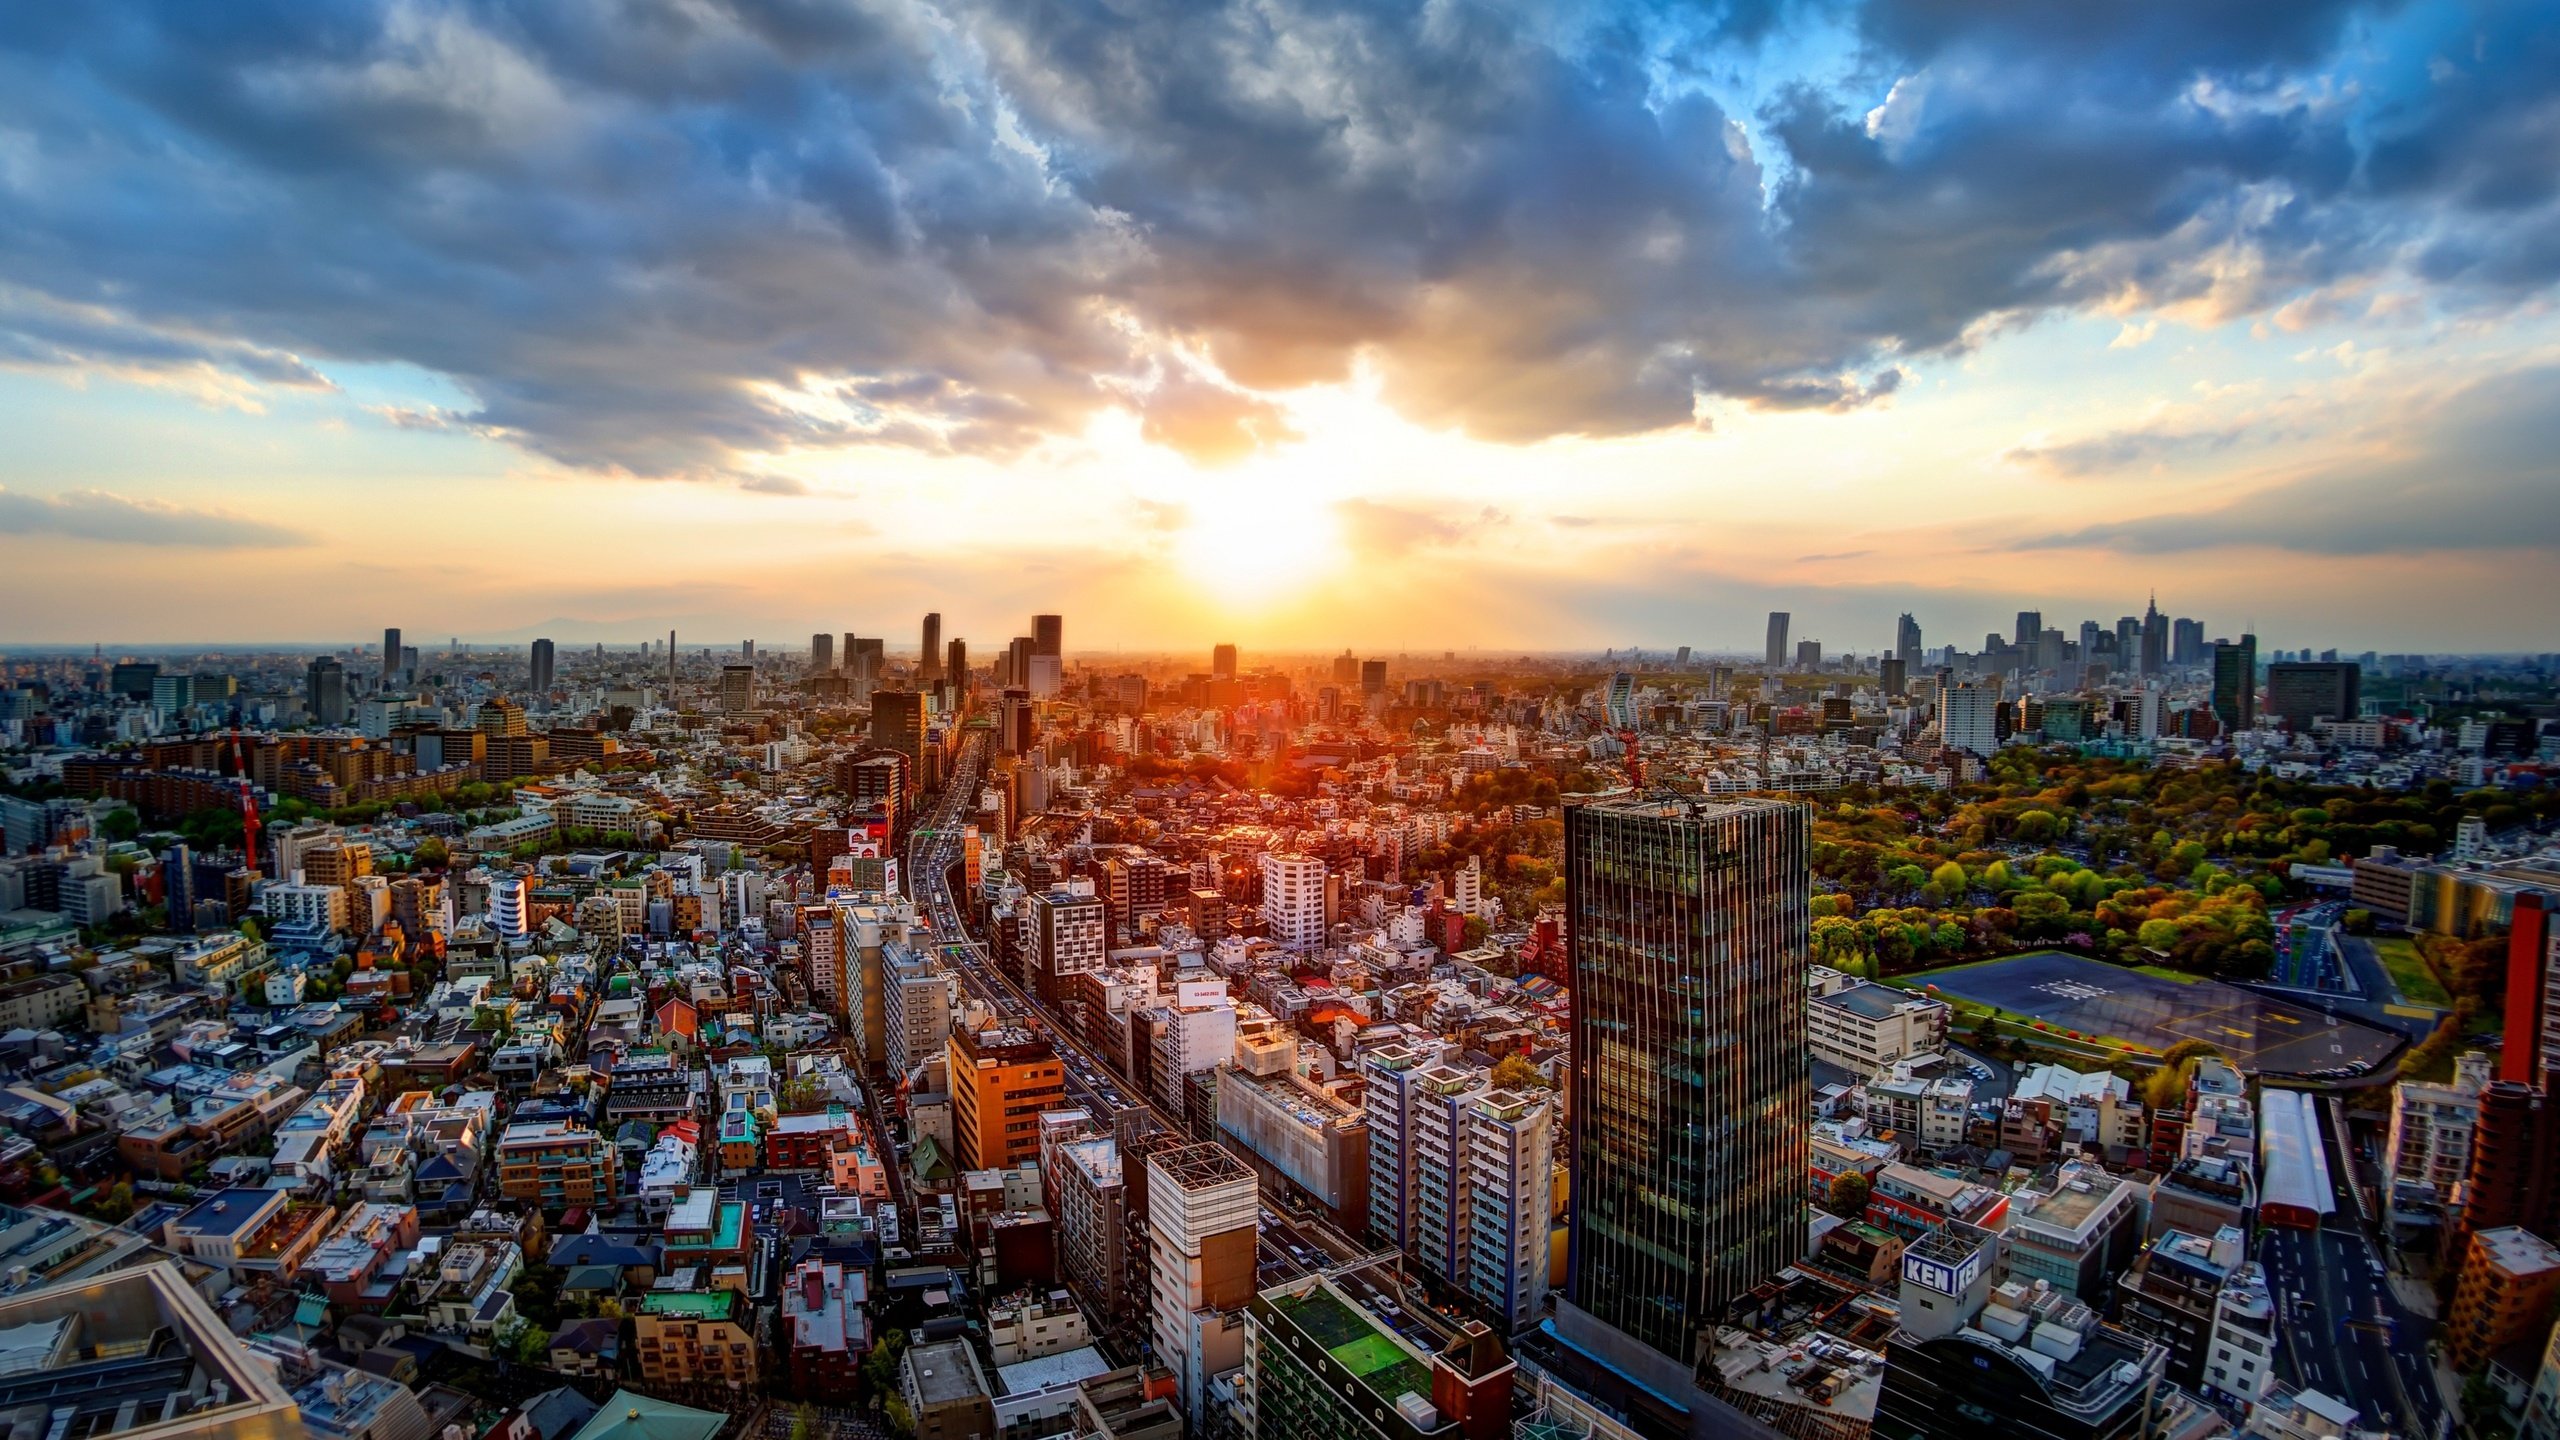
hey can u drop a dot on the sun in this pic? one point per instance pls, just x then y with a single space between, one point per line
1251 546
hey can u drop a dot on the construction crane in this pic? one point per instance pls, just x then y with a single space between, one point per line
248 797
1635 760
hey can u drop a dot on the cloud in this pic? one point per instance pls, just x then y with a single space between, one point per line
119 519
681 237
2126 449
1381 529
2483 473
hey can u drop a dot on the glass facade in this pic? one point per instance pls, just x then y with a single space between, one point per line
1691 1069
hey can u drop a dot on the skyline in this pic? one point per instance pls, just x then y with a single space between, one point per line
1290 325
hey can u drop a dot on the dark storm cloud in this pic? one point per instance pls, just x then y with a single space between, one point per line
2484 475
647 236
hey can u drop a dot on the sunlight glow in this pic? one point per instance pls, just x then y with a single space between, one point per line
1251 547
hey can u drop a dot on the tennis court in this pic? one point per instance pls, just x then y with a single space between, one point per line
2261 1035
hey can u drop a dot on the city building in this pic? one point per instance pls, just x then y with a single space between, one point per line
2235 683
1201 1215
1293 900
1319 1363
1691 1087
1865 1027
2510 1283
943 1385
2076 1234
1002 1077
2302 693
695 1339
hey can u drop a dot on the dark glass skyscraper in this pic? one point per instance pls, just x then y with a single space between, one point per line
540 666
2235 682
1692 1086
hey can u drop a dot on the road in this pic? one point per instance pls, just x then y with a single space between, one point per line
2340 1328
1289 1245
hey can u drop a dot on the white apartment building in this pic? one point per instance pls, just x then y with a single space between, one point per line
2431 1125
1924 1115
1199 1033
1293 900
917 992
1866 1027
1070 934
321 905
1201 1215
1968 718
1508 1185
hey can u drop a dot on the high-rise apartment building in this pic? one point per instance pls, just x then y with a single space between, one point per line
917 992
2235 683
1777 639
822 653
1002 1077
929 655
1222 662
540 664
1969 718
737 688
1293 900
1201 1204
390 657
1069 932
1689 925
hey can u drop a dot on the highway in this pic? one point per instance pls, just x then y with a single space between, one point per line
1290 1245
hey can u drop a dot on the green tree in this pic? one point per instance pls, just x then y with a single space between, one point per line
120 824
2159 935
1514 1072
1950 879
1848 1196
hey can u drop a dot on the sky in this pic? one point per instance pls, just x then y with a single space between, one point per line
1493 325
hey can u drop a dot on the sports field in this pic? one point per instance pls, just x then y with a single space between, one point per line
2262 1036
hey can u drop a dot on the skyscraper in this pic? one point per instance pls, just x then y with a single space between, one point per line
542 666
737 688
2304 691
1777 639
325 691
2030 630
2129 644
1049 635
1906 640
1222 662
929 660
822 653
2155 639
1689 926
390 656
2186 641
2235 682
955 663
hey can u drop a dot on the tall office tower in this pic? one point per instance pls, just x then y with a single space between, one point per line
2186 642
324 684
1346 670
897 722
848 649
955 665
1906 640
178 892
1048 656
746 650
1049 635
1808 655
2235 682
1777 639
390 657
1619 709
1969 718
2030 629
822 653
1891 674
2155 639
865 658
2304 691
2090 644
1013 721
1373 677
2051 650
2129 643
929 656
1017 664
1222 662
1293 900
542 665
737 688
671 666
1689 925
1201 1204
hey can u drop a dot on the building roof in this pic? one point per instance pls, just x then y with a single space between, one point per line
631 1416
1870 1001
1067 1367
945 1371
2293 1171
2517 1251
229 1212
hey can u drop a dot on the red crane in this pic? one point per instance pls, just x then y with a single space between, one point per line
1635 761
248 795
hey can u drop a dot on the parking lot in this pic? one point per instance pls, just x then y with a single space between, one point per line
2095 999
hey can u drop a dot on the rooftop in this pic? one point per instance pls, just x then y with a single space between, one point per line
2517 1251
1358 1343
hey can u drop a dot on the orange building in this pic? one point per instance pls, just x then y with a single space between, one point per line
1002 1077
2510 1282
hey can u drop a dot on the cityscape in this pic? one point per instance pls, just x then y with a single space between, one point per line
1280 720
